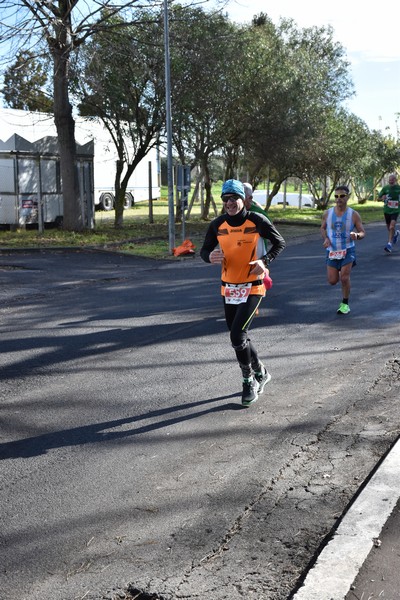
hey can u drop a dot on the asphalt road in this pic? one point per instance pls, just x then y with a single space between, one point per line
127 461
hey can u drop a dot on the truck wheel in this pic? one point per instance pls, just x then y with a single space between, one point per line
107 201
128 201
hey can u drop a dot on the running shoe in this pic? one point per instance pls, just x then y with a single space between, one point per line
250 389
395 237
388 248
343 309
262 378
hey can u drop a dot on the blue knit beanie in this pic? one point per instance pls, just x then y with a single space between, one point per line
233 186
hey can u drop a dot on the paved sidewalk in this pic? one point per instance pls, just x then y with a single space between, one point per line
362 560
379 577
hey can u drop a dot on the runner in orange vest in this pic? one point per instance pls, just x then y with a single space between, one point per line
240 235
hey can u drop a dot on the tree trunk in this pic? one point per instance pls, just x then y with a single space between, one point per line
73 219
273 193
119 207
232 159
195 195
120 186
209 197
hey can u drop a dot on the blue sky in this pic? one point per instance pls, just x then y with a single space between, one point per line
371 37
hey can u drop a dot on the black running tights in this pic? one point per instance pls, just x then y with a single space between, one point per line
238 319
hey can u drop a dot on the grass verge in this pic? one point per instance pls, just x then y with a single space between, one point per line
141 238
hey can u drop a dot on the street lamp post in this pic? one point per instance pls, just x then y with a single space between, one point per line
171 217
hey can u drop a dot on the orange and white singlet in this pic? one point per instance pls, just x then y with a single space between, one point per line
241 239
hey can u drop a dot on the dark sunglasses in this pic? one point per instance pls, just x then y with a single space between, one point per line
227 198
341 195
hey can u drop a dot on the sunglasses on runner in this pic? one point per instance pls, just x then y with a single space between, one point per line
226 198
341 195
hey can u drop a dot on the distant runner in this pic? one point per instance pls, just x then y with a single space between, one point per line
390 194
241 253
249 201
254 206
336 229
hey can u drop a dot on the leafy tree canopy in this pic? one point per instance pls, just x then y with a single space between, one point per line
26 84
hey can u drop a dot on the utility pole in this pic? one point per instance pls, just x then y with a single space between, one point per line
171 208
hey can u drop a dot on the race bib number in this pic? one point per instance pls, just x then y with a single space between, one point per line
237 293
393 203
337 254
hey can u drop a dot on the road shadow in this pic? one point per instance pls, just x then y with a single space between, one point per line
97 432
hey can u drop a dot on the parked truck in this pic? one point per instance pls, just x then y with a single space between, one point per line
104 168
25 135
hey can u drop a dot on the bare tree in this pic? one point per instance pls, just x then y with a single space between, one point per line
120 81
63 25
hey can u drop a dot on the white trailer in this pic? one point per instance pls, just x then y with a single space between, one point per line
34 126
30 182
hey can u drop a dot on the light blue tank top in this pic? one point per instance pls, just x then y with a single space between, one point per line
338 229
